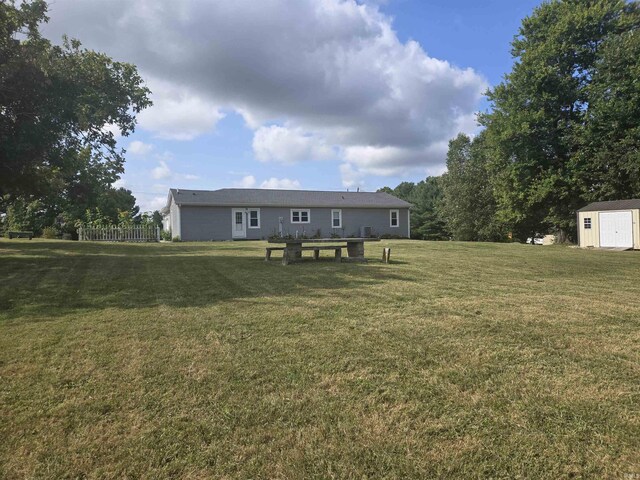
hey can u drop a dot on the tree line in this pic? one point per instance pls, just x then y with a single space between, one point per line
563 130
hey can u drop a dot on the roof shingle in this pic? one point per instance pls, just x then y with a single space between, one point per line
254 197
630 204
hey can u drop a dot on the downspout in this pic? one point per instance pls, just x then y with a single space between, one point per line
178 222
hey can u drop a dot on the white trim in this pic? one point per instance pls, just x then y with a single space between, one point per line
234 233
339 210
300 215
249 210
391 225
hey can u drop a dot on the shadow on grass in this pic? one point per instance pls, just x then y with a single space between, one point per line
44 282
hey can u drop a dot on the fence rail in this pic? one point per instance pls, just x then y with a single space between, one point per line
135 233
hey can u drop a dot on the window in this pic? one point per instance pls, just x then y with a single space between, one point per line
300 216
394 218
587 223
254 218
336 218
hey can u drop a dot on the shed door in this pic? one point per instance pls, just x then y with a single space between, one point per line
616 229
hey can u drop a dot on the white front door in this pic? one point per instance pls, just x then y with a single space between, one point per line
238 223
616 229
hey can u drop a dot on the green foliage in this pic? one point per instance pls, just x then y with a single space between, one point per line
65 98
563 129
165 235
24 215
54 106
50 232
157 218
468 205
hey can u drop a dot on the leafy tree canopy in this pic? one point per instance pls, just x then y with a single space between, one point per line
563 129
56 103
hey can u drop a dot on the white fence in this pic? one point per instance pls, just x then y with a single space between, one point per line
134 233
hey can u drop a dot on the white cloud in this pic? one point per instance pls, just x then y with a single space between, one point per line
120 183
156 203
178 113
114 129
332 72
139 148
289 145
248 181
280 183
161 171
350 176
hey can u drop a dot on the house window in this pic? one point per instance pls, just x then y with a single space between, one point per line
254 218
336 218
587 223
394 218
300 216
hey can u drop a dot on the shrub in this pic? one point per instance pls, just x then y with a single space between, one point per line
50 232
176 239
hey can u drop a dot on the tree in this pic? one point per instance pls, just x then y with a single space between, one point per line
552 126
608 163
55 102
468 205
426 221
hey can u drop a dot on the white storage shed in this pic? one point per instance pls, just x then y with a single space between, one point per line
614 224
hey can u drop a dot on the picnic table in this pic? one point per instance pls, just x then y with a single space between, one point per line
292 251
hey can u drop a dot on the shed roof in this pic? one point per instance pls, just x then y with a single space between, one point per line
630 204
255 197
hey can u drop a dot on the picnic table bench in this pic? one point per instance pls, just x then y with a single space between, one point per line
14 234
292 251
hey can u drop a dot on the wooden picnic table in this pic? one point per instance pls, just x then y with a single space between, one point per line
295 246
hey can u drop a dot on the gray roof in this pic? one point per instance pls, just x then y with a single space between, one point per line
255 197
612 205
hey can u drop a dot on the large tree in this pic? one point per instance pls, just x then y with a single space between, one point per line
56 103
468 205
556 137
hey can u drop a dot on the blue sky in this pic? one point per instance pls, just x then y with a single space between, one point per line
311 94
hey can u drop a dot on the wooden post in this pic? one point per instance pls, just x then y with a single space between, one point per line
386 255
316 254
338 255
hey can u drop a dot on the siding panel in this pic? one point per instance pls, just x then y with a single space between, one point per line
214 223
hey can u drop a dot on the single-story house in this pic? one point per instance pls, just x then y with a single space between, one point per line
614 224
245 213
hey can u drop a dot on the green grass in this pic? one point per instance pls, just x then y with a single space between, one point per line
202 361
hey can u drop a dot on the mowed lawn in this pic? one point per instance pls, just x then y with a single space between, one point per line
200 360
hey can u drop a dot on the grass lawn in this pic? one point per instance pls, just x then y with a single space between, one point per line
200 360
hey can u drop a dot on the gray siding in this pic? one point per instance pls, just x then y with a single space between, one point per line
214 223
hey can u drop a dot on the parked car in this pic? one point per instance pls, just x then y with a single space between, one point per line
536 240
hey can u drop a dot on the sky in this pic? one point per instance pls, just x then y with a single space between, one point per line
296 94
